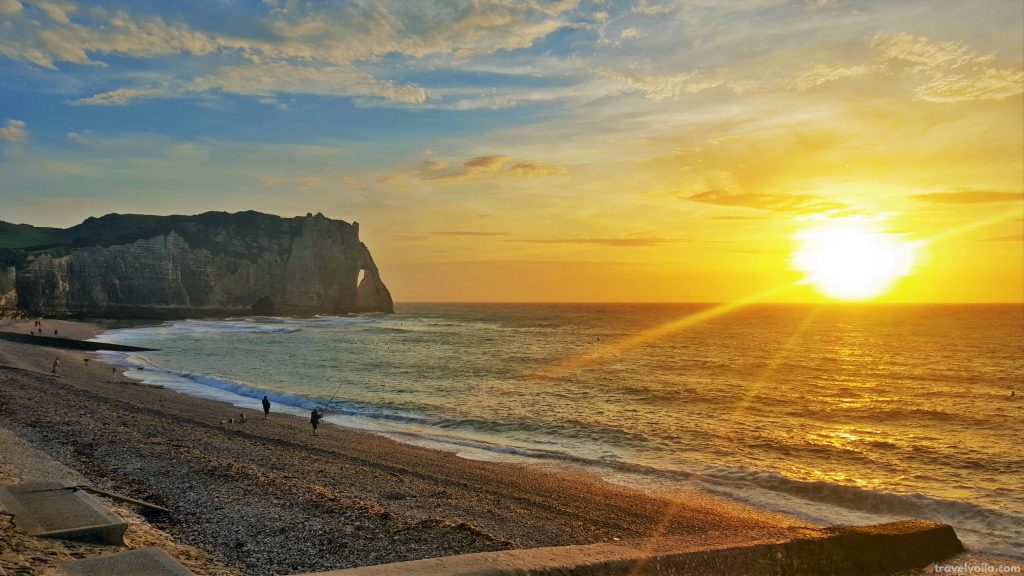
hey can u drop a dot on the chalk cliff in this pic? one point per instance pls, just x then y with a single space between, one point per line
212 264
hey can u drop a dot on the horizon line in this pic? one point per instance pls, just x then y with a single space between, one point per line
718 302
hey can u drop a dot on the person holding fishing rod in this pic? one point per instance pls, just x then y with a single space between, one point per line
314 418
318 413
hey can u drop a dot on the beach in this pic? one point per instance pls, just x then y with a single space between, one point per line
267 496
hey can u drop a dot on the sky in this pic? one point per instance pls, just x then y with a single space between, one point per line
519 150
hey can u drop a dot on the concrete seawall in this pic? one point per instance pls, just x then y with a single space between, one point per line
880 549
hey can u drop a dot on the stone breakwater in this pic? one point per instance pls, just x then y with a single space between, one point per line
213 264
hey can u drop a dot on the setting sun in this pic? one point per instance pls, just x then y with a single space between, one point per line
850 260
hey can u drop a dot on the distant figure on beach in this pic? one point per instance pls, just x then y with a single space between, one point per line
54 332
86 361
314 419
113 372
1013 393
266 406
241 418
56 363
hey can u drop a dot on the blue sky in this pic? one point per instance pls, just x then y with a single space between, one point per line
640 137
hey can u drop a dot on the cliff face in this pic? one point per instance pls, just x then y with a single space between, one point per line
207 265
8 293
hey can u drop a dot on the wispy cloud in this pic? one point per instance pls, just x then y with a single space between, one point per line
1009 238
469 233
307 50
490 165
825 73
535 169
796 203
638 242
474 167
970 197
950 71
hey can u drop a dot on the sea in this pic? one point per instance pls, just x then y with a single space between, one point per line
837 413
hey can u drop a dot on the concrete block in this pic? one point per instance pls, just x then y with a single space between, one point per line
142 562
879 549
56 510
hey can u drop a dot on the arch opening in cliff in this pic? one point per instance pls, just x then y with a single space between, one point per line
263 306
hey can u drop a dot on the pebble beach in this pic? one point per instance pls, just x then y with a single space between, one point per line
268 497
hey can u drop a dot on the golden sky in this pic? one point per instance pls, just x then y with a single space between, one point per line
540 151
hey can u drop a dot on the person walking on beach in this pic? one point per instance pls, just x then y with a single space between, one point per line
266 406
56 363
314 418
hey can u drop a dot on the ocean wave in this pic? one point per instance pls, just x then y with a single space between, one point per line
192 328
997 530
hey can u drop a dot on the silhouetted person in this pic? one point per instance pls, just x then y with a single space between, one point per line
54 332
56 363
113 372
266 406
314 419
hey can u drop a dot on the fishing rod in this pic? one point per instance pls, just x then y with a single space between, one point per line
333 396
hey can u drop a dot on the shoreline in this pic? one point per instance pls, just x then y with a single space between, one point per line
416 502
267 496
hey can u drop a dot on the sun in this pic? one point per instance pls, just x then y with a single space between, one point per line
851 260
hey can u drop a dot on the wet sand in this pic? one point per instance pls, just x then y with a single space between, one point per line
268 496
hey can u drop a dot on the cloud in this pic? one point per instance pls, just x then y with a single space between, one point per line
411 237
796 203
470 233
970 197
122 96
316 46
825 73
1010 238
988 84
14 131
264 79
535 169
57 11
269 79
639 242
630 33
302 182
9 7
660 86
924 52
491 165
474 167
653 8
950 71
